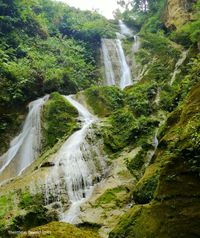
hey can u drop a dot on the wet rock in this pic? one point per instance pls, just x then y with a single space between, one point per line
47 164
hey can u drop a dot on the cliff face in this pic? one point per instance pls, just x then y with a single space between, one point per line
174 211
177 13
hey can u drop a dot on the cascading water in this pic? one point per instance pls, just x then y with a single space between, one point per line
75 166
117 70
178 64
110 77
125 70
136 44
151 153
25 148
124 29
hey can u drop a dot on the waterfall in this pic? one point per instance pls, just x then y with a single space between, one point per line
124 29
125 70
177 66
151 153
155 140
108 65
136 44
25 148
117 71
75 166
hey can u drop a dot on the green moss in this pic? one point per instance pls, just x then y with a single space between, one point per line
123 123
104 100
125 129
166 220
59 119
136 163
144 191
61 230
112 198
174 210
189 33
126 225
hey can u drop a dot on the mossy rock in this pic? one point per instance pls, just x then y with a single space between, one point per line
144 190
61 230
170 219
125 129
174 210
59 119
112 198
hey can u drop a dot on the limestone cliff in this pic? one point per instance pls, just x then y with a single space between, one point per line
177 13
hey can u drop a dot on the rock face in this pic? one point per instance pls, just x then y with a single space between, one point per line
177 13
174 210
111 197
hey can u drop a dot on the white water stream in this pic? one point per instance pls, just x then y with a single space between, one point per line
110 77
24 148
125 70
177 66
75 166
124 30
117 70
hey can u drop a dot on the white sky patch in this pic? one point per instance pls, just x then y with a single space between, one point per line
104 7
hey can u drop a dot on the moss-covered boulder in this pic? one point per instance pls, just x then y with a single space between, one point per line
59 119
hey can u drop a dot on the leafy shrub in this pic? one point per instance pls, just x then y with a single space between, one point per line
35 212
104 100
28 200
140 97
124 127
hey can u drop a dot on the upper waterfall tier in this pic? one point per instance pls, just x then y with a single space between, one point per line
124 30
117 71
25 148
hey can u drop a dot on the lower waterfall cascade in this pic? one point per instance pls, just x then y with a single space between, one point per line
75 166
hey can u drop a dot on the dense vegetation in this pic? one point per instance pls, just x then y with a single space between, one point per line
45 46
49 47
170 203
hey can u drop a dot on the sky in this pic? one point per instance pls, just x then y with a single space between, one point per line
105 7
